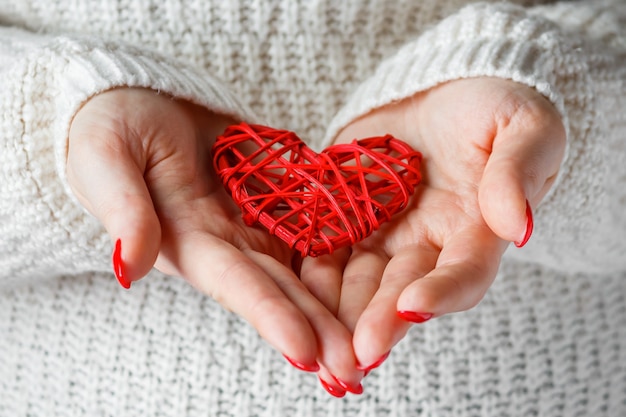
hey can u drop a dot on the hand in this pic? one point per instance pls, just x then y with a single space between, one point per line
489 146
140 162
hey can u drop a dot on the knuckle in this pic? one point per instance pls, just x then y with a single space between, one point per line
221 286
524 108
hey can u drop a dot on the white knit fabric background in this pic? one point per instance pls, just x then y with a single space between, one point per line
540 344
549 339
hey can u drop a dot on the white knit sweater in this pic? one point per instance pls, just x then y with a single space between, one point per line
549 339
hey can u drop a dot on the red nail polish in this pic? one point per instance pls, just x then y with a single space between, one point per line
414 316
334 391
118 265
529 226
303 367
353 389
374 365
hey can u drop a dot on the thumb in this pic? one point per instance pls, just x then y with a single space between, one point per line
109 183
522 167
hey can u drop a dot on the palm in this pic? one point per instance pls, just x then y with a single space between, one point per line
456 145
195 210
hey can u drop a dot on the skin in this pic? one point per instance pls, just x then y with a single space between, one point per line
138 161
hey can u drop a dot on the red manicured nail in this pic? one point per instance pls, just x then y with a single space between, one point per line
353 389
118 265
529 226
334 391
414 316
303 367
374 365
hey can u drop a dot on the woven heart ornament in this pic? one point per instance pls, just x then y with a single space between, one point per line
315 202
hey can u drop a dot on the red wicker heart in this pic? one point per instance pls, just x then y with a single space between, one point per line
315 202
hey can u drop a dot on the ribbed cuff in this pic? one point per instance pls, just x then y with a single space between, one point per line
480 40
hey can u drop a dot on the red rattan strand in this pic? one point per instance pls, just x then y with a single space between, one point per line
314 202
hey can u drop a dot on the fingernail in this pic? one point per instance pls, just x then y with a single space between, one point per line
118 265
414 316
334 391
529 226
374 365
303 367
350 388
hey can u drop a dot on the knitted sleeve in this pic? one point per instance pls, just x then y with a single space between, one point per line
44 80
573 53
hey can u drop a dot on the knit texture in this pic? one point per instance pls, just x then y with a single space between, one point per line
549 339
540 344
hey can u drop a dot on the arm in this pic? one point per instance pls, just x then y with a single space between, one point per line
45 80
574 55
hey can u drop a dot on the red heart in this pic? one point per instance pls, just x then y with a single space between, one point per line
315 202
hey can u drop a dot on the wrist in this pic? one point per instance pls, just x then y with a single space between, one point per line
209 124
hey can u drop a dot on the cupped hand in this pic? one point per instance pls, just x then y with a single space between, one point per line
140 162
492 149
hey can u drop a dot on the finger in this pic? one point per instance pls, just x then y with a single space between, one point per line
523 164
243 286
332 385
106 179
322 277
361 280
466 267
334 341
379 328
